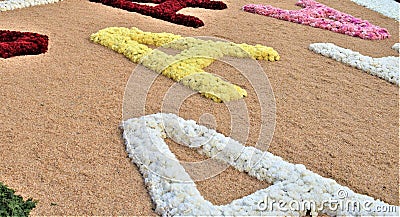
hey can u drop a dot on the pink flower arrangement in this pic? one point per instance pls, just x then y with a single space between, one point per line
166 9
15 43
318 15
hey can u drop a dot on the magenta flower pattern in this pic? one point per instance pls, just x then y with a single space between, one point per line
318 15
166 9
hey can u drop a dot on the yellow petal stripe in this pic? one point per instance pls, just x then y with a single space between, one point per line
187 66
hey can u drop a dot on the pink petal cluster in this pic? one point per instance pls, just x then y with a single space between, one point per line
318 15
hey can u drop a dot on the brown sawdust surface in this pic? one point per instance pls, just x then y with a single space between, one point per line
60 112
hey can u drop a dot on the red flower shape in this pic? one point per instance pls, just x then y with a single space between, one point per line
167 9
14 43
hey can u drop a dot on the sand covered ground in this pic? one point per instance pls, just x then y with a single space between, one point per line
60 112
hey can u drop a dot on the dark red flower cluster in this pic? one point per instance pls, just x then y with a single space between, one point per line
166 9
14 43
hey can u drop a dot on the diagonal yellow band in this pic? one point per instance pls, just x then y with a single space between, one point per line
187 66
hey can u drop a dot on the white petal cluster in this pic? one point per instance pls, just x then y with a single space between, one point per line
8 5
389 8
396 47
174 193
386 68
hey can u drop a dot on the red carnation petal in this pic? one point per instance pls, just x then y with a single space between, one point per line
15 43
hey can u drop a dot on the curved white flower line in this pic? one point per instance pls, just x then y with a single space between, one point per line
386 68
291 182
8 5
389 8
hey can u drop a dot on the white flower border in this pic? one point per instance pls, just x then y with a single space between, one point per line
8 5
145 144
386 68
389 8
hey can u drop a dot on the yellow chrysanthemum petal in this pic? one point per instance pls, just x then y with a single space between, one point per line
187 66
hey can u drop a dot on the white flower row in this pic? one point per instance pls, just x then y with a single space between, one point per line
389 8
8 5
386 68
174 193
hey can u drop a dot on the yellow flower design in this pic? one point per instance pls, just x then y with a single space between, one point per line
187 66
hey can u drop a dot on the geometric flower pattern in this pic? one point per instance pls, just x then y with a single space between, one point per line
14 43
294 191
186 67
318 15
389 8
167 9
386 68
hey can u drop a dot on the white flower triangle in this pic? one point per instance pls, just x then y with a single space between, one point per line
8 5
161 170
